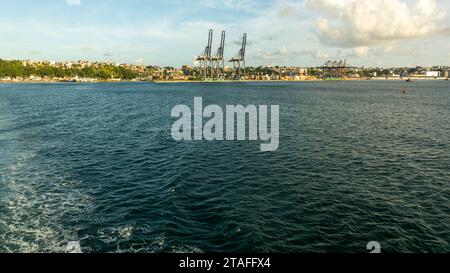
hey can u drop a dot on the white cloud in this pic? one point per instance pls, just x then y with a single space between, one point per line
361 51
315 54
321 55
287 11
279 56
363 23
73 2
285 55
393 49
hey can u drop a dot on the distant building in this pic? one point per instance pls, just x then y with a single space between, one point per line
433 74
303 72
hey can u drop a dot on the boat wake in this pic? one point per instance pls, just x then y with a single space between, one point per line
38 206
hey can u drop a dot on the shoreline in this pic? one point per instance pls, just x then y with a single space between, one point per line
226 81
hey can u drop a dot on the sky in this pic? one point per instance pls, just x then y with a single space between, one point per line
280 32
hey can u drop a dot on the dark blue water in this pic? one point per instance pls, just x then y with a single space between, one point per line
358 162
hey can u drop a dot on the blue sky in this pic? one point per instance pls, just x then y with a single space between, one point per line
281 32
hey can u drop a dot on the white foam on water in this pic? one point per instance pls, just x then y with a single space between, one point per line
112 235
37 199
186 249
126 232
123 240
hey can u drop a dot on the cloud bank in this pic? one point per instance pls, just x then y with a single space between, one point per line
363 23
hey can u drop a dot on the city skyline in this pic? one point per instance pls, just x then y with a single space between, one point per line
170 33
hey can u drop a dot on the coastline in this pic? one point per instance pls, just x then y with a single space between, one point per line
222 81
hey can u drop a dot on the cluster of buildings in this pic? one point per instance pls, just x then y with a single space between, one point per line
45 79
261 73
409 72
340 69
277 73
81 65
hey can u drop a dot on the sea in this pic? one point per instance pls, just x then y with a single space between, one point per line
358 161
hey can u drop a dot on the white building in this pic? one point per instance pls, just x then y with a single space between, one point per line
433 74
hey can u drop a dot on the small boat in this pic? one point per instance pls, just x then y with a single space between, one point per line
408 80
446 79
405 91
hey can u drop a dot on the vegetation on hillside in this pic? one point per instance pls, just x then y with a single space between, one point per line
101 71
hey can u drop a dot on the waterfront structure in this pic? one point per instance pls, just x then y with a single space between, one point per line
217 61
239 68
334 69
204 59
213 66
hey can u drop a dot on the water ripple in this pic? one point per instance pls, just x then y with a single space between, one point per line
358 162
